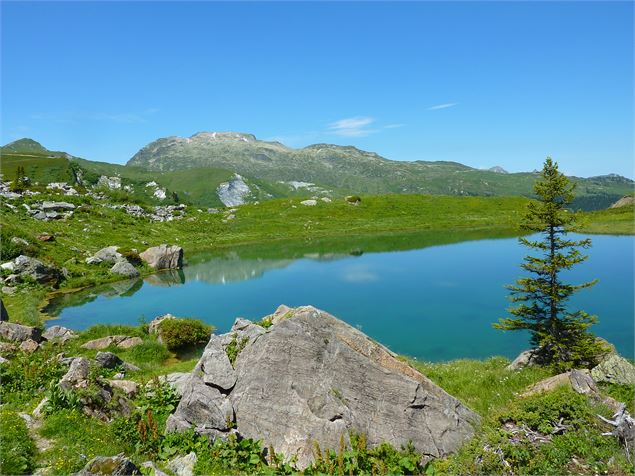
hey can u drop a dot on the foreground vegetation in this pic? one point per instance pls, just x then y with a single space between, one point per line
64 439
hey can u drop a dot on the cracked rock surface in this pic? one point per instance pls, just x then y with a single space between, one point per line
310 378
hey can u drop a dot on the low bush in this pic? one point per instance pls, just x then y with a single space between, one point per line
149 351
17 449
235 347
179 333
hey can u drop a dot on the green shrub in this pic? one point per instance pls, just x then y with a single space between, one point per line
24 376
179 333
148 351
359 459
60 399
17 449
132 256
235 347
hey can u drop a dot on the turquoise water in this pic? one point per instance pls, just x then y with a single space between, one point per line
434 303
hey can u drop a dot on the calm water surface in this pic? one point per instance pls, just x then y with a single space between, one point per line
434 303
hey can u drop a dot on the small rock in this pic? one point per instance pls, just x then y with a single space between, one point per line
8 266
8 290
124 268
108 360
6 348
45 237
118 376
110 465
64 206
129 387
37 412
104 342
59 333
77 374
19 241
309 203
183 465
130 342
105 255
29 346
326 199
524 359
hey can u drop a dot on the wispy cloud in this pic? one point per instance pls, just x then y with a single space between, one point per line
442 106
352 127
394 126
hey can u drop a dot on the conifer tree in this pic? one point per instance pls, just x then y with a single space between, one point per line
559 334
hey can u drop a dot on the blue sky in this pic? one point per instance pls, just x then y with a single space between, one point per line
501 83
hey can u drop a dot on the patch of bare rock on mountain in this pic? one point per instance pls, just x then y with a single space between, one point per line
305 377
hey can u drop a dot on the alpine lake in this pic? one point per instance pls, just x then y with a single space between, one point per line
429 296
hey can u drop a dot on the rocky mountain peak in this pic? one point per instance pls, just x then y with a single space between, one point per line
223 137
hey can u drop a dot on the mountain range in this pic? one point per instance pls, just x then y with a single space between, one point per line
207 167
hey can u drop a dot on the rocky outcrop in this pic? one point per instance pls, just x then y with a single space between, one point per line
183 465
18 332
234 192
310 377
624 201
614 369
163 257
524 359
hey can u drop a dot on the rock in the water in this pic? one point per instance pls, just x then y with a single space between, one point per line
124 268
105 255
108 360
18 332
614 369
163 257
313 378
4 315
110 465
183 465
59 333
35 269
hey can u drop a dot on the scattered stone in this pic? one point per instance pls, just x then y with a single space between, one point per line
309 203
7 290
155 324
183 465
38 411
124 268
110 465
18 332
7 348
29 346
128 387
163 257
12 279
305 379
63 206
59 333
9 265
63 187
614 369
524 359
77 375
108 360
118 376
36 270
105 255
118 340
326 199
152 469
3 360
19 241
45 237
111 183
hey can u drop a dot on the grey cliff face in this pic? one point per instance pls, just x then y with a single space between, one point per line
313 378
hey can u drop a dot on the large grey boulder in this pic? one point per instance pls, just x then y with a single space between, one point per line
118 465
77 375
24 266
123 342
105 255
57 206
614 369
18 332
312 378
125 269
163 257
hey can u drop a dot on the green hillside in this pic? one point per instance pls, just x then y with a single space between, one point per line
346 170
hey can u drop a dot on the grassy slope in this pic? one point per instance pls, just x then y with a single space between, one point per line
611 221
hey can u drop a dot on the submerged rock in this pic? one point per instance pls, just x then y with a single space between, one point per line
312 378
